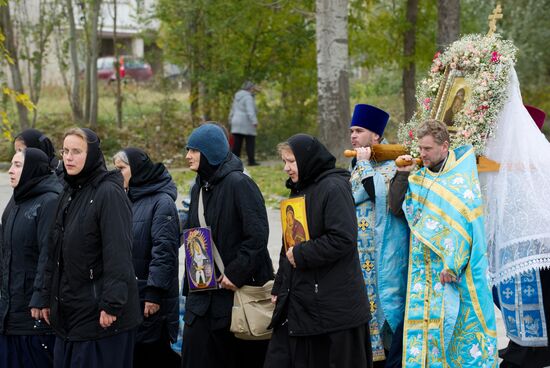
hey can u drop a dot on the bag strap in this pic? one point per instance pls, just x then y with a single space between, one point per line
217 258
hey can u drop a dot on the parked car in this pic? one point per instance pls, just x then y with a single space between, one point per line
130 67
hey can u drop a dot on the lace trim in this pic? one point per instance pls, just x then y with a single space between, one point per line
508 271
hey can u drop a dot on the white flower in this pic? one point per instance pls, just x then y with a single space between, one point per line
431 224
458 180
415 351
474 351
435 351
417 287
449 244
468 194
438 287
490 349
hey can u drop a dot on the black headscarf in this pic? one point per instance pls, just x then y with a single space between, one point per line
94 165
312 159
144 171
36 139
35 169
206 170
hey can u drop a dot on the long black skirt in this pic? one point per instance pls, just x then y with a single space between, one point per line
115 351
30 351
349 348
208 343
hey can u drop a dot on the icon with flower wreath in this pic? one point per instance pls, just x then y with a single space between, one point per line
479 64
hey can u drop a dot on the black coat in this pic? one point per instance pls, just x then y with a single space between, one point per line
24 255
155 255
235 210
90 266
326 291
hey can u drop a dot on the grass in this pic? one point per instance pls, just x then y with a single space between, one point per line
270 178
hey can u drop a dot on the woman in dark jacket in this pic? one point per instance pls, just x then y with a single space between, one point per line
25 227
90 277
234 209
155 255
36 139
322 312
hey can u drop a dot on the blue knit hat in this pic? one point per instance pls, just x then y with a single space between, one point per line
370 117
210 141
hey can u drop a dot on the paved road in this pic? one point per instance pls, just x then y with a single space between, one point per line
275 236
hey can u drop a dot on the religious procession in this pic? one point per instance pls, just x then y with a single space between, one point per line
407 255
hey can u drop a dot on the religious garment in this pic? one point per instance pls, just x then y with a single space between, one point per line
517 217
451 325
294 221
382 243
199 259
522 307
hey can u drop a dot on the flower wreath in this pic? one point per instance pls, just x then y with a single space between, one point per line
485 63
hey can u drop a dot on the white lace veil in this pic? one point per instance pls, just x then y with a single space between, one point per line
517 198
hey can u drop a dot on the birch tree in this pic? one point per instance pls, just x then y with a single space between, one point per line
448 22
332 69
13 63
409 67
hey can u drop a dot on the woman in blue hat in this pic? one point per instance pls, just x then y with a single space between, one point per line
234 209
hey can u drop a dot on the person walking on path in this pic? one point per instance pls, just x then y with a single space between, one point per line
449 314
25 339
155 255
244 121
90 278
382 238
234 209
322 310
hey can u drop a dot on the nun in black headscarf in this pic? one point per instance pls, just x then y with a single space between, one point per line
322 311
25 341
155 255
94 304
36 139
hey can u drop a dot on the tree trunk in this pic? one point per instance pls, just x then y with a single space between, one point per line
194 65
76 106
448 22
117 70
409 67
332 74
94 52
15 72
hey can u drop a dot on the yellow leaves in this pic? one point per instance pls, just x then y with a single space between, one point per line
25 100
6 127
21 98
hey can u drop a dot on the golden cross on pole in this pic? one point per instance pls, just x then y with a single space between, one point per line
496 15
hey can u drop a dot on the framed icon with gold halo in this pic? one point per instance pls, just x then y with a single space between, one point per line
294 221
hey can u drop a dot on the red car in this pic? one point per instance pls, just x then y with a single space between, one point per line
130 67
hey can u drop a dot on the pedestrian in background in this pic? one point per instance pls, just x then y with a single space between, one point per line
90 278
25 339
155 255
244 121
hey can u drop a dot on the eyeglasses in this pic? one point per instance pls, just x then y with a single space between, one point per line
72 152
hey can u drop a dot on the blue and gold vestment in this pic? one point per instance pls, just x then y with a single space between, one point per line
451 325
382 243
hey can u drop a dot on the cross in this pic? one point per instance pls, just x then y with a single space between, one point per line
372 306
368 266
363 224
496 15
508 293
529 291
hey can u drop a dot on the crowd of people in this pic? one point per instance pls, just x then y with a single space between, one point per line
392 271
